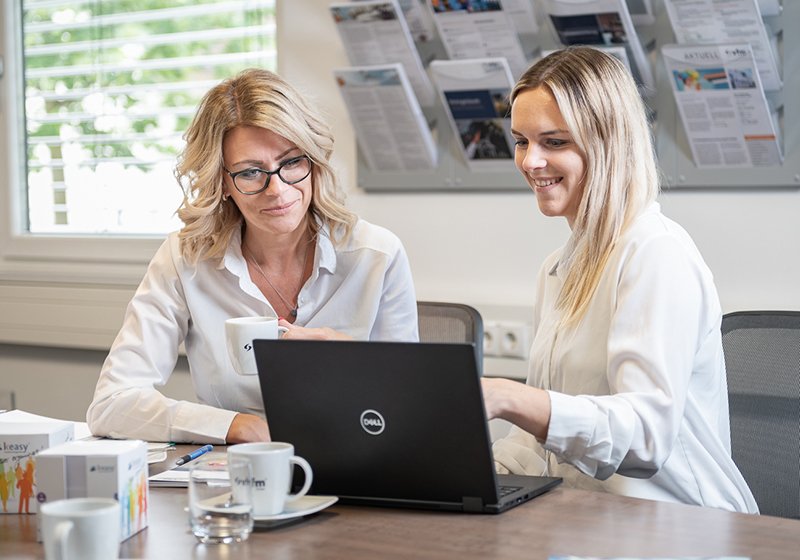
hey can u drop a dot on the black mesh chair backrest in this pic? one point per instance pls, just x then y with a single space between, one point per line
762 358
451 322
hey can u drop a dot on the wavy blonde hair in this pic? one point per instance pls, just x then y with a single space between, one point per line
259 98
607 119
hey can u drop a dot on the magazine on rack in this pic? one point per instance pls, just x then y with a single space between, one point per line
475 93
641 12
722 105
478 29
603 23
390 127
375 32
420 23
731 21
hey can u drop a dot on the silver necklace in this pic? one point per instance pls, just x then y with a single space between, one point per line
252 259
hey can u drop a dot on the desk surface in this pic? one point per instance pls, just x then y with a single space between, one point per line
563 521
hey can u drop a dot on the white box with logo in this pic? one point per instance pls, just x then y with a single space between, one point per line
99 469
22 436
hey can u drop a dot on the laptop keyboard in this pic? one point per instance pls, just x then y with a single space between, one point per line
506 490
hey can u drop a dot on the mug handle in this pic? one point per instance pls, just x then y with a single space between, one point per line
282 331
62 531
309 478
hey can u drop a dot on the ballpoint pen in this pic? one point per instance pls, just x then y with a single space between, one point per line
194 454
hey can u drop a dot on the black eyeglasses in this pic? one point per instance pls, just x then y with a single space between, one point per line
254 180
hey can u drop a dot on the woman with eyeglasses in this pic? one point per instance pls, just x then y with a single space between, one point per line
626 389
265 233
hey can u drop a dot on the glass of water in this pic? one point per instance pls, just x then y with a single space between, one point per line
221 500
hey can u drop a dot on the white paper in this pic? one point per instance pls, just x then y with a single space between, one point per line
604 23
726 21
375 32
770 7
390 127
475 93
420 23
641 12
522 16
722 105
473 30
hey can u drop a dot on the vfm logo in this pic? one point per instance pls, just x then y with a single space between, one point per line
372 422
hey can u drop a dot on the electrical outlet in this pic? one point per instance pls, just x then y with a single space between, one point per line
491 338
513 339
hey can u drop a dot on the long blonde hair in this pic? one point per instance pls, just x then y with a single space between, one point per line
259 98
607 119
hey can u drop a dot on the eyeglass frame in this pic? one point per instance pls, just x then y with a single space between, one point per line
269 174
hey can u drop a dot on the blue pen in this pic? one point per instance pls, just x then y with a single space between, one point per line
194 454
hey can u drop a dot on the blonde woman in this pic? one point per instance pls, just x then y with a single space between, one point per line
626 390
265 233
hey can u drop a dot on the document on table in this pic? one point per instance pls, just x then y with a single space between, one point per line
178 477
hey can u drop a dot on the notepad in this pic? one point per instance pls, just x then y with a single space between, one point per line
178 477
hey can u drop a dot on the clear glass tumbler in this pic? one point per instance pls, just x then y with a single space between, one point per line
221 500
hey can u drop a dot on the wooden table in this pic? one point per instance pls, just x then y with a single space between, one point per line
563 521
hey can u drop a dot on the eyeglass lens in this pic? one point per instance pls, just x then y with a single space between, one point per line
290 172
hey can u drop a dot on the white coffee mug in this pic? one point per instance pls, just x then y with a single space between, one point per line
239 335
272 465
81 529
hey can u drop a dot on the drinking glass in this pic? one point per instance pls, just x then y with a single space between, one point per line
221 500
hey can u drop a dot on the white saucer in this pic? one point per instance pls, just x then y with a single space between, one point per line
300 507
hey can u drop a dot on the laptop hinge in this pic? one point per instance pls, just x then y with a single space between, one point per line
472 504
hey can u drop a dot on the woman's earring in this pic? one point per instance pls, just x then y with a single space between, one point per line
225 196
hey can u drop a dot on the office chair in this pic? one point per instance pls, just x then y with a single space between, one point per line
762 358
451 322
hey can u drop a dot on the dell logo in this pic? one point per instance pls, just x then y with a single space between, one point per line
372 422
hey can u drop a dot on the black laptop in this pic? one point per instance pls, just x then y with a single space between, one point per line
388 423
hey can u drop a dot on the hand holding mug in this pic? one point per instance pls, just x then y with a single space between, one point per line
239 335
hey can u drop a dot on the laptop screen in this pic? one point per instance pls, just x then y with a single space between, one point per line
381 420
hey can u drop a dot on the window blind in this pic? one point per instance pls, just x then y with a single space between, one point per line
109 87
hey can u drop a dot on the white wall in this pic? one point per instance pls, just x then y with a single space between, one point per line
482 249
486 248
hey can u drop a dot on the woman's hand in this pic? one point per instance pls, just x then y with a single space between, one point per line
303 333
247 428
518 403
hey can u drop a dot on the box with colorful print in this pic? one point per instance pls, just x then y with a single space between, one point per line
98 469
19 444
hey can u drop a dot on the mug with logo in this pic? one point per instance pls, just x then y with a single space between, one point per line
272 465
239 335
81 529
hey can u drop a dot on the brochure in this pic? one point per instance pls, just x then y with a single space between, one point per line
375 32
390 128
641 12
475 93
601 23
420 23
722 105
726 21
474 29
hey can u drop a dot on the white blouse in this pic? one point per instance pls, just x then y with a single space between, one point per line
638 388
363 289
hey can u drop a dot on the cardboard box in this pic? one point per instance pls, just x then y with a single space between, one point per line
20 440
98 469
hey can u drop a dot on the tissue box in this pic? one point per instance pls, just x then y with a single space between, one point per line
98 469
20 441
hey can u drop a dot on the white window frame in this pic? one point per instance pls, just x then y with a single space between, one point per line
55 290
117 260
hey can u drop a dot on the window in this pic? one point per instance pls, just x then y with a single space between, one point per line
109 87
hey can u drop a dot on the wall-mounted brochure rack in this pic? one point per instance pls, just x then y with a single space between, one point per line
454 172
